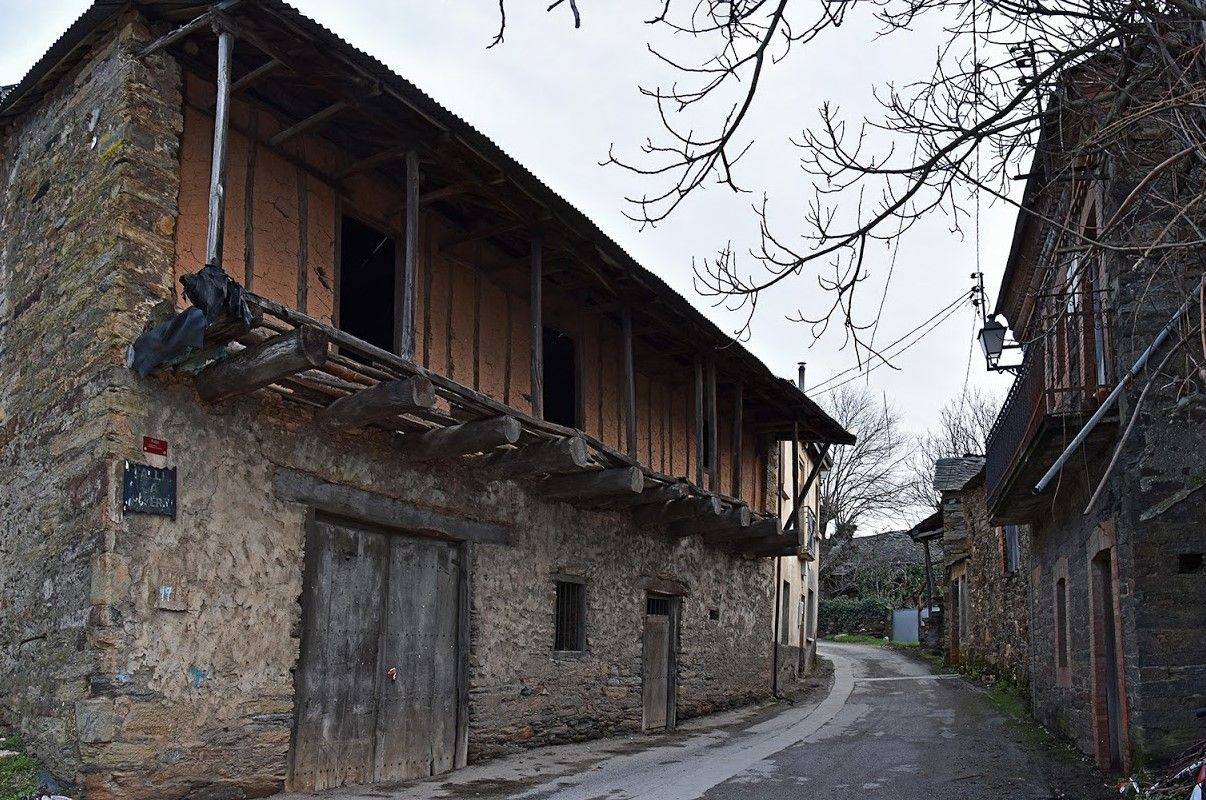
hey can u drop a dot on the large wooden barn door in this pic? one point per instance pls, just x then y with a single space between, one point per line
658 668
376 680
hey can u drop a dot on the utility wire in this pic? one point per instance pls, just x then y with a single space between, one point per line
885 352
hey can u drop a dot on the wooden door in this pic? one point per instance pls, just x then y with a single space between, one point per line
658 668
372 602
417 718
336 678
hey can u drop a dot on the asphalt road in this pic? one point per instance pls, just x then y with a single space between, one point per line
889 727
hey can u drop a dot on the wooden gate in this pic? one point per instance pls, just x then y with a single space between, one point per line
377 680
659 683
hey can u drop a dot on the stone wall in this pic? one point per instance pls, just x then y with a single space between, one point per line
995 642
87 197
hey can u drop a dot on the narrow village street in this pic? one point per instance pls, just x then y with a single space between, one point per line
889 726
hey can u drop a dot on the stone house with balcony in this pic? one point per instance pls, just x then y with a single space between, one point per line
423 468
1117 588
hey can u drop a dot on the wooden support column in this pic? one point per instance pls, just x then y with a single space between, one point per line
795 473
679 509
379 403
736 517
738 407
536 329
630 433
600 483
263 364
653 495
699 421
560 455
406 311
477 436
217 170
713 439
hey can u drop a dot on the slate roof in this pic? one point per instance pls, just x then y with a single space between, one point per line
952 474
893 548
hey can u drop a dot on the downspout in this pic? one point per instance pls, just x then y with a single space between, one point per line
1101 411
775 629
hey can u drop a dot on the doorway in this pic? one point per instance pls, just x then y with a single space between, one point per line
659 663
378 678
1107 699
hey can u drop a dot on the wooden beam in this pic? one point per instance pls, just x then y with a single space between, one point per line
678 510
652 495
267 68
452 190
787 547
713 429
536 329
568 454
738 408
758 531
309 122
736 517
373 161
221 137
303 242
600 483
479 234
263 364
699 423
205 21
477 436
379 403
301 487
410 259
630 433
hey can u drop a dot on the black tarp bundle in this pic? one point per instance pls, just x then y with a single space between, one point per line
215 297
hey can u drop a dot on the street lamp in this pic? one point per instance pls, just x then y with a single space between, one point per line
992 340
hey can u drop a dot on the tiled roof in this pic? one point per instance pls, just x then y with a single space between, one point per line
952 474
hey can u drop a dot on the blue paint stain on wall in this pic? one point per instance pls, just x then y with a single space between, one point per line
196 675
123 677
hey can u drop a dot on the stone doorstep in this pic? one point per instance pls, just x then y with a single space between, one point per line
544 764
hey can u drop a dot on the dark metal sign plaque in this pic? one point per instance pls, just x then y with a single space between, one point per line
149 490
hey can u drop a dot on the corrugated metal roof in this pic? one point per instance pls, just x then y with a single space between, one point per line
67 50
952 474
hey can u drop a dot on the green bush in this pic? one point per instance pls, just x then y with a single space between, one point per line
867 616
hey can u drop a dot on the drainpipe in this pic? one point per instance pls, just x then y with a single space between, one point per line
1079 439
775 630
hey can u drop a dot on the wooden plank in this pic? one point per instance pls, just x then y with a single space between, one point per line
477 332
655 672
560 455
458 440
600 483
379 403
699 421
675 510
263 364
410 258
464 648
221 138
713 428
536 330
654 494
630 434
738 464
309 122
738 517
249 207
345 501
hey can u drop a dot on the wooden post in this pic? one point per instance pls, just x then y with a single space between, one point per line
263 364
379 403
217 168
410 260
679 509
795 474
713 439
738 407
699 422
536 330
569 454
736 517
457 440
629 384
599 483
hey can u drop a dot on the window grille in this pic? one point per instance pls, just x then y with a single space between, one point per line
570 628
657 606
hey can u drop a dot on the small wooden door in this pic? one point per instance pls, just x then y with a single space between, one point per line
373 602
659 683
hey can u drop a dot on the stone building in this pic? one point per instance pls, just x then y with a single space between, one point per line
986 569
1116 514
453 476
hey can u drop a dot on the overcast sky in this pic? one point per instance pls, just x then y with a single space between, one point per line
556 98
